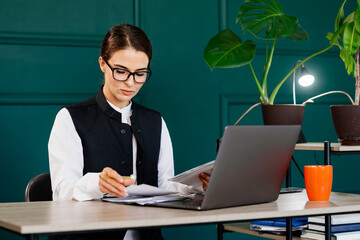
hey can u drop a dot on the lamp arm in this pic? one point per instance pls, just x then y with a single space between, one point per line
273 94
294 94
310 100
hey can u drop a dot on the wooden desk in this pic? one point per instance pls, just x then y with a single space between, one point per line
30 218
319 146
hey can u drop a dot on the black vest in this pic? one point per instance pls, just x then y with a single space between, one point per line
107 142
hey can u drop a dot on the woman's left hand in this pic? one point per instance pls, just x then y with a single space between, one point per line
204 178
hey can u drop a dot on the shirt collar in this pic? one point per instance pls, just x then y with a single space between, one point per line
125 112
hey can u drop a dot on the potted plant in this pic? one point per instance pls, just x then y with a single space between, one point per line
346 118
266 21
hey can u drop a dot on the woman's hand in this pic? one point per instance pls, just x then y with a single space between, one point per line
113 183
204 178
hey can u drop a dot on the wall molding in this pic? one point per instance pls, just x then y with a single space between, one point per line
223 14
137 13
94 41
43 98
62 39
50 39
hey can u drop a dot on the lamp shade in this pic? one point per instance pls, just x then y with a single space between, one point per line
306 78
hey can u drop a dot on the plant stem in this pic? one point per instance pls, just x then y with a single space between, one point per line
357 78
310 100
273 95
264 99
267 68
256 104
242 116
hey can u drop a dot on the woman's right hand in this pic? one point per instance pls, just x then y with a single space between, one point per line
112 183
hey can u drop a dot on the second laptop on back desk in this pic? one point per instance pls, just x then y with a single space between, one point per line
250 167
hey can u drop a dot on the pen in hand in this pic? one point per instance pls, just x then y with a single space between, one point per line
124 177
113 183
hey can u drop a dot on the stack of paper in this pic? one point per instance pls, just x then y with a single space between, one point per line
309 234
190 177
278 226
144 194
144 200
343 226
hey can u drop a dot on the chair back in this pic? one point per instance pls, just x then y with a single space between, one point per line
39 188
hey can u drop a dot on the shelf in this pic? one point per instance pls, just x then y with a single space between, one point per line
319 146
244 227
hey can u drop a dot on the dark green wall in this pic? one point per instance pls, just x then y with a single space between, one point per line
48 59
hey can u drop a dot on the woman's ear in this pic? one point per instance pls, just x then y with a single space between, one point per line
102 64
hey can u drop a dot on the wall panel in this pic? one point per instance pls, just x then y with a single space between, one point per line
48 59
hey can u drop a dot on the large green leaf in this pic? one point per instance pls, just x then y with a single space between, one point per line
351 39
333 40
347 31
337 35
348 60
357 17
340 16
267 17
298 35
226 50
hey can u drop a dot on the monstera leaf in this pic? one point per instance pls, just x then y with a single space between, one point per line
226 50
267 17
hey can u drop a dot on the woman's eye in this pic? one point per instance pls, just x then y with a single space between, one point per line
140 74
119 71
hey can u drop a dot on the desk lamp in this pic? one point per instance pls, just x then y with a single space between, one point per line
306 79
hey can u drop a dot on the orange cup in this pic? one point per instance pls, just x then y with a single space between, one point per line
318 182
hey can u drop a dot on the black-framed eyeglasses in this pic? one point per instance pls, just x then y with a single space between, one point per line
122 74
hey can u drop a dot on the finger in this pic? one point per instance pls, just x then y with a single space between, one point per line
128 182
109 173
205 176
204 182
113 183
115 193
117 189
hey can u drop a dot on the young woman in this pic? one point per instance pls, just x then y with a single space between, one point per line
93 144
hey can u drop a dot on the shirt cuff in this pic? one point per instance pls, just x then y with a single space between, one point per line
87 188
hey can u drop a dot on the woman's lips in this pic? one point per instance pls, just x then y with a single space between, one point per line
126 92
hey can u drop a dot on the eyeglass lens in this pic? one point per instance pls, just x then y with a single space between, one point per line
123 74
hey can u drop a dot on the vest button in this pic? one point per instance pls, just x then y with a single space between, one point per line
139 163
123 131
122 162
139 131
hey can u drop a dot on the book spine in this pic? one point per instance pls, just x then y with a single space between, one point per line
336 228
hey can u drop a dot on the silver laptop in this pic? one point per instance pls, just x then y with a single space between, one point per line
250 167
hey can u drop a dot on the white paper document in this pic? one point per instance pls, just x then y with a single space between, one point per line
144 194
146 190
144 200
190 177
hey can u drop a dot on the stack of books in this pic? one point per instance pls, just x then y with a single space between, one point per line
278 226
343 227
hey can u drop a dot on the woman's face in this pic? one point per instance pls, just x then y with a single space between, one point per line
117 92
